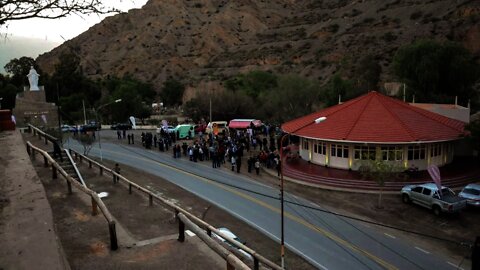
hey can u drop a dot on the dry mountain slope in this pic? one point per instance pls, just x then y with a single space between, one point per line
195 40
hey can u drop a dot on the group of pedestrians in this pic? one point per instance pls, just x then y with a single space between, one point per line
226 149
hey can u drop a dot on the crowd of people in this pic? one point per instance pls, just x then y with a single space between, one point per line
256 148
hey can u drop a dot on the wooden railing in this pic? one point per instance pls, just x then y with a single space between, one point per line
200 227
36 131
96 201
184 217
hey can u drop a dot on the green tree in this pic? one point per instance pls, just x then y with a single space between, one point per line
19 68
437 72
336 87
379 171
294 96
254 84
8 93
172 92
474 136
368 74
136 99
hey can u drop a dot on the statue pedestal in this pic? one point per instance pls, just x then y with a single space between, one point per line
31 108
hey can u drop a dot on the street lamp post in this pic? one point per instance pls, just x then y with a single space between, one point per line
96 119
282 212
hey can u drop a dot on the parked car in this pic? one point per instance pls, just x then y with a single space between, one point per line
121 126
428 195
230 234
185 131
169 129
67 128
92 126
471 193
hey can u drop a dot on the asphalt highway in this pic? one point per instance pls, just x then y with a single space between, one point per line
325 240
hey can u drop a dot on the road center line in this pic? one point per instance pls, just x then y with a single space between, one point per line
320 230
389 235
423 250
454 265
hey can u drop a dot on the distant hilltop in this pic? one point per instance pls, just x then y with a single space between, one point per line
15 47
212 40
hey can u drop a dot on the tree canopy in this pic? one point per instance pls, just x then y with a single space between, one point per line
19 68
172 92
437 72
49 9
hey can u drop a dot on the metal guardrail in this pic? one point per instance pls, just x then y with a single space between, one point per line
96 201
257 258
77 172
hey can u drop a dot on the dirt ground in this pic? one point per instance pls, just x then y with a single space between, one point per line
456 229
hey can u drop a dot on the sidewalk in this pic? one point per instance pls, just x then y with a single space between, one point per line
27 231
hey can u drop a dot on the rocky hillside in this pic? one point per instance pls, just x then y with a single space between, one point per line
209 40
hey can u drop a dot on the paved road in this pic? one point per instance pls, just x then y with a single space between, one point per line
325 240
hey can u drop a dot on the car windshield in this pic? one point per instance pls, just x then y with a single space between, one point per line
472 191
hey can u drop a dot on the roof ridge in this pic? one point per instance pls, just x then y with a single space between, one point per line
410 132
358 116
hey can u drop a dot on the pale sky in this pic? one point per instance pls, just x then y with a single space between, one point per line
68 27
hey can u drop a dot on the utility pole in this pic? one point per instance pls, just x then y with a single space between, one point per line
84 115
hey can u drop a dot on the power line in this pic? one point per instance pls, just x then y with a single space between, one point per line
461 243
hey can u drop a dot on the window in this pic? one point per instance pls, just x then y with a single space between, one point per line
426 191
339 150
416 152
305 144
417 189
320 148
392 153
364 152
436 150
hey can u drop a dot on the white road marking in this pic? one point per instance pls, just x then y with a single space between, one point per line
389 235
454 265
422 250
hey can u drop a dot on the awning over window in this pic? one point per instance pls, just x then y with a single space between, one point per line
244 123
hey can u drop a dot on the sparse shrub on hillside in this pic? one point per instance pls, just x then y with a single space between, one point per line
333 28
389 37
198 5
416 15
368 20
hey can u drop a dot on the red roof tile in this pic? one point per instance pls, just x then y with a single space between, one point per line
376 118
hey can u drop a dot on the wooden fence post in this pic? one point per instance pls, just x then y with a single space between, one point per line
129 188
101 170
33 153
113 235
54 172
181 228
46 141
69 187
230 266
150 197
94 207
28 150
89 164
45 162
256 265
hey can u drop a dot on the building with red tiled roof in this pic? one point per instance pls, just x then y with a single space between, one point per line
376 126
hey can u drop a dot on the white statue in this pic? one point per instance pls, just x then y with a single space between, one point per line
33 79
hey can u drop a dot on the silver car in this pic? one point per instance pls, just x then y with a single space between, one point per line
471 192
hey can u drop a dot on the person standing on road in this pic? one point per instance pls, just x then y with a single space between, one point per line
257 166
238 163
233 161
117 170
